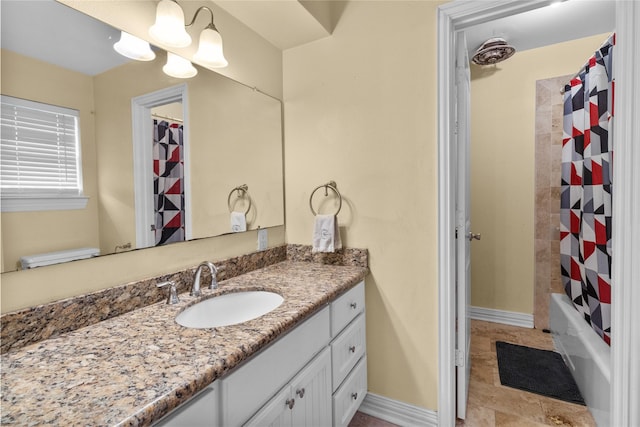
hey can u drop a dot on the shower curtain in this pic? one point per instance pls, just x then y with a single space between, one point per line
168 182
585 206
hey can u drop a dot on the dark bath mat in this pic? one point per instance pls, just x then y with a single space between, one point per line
538 371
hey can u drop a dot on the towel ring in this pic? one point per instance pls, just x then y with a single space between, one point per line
242 191
329 185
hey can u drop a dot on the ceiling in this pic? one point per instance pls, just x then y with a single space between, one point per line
55 33
284 23
569 20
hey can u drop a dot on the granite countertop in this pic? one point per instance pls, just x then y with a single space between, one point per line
135 368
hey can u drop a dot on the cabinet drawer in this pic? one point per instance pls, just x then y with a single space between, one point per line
247 389
350 395
346 308
347 349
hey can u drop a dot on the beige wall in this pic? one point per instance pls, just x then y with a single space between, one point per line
30 233
360 109
503 204
255 62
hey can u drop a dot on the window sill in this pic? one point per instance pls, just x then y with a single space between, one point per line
31 204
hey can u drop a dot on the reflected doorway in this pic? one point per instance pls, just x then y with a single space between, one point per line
161 167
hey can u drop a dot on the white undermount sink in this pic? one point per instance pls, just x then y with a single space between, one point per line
229 309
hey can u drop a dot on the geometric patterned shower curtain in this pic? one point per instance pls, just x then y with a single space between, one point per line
168 182
586 189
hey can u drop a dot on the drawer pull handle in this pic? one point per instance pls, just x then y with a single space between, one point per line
300 393
354 396
353 305
290 403
352 349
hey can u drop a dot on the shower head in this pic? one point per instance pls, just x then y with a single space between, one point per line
493 51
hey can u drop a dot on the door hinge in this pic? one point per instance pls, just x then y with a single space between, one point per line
459 358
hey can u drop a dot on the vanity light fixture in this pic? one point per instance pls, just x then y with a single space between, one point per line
134 48
210 45
169 30
179 67
169 26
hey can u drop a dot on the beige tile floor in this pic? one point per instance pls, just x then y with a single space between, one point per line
492 404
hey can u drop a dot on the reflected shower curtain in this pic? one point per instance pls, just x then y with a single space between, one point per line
585 206
168 182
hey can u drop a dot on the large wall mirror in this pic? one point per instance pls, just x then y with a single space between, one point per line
232 137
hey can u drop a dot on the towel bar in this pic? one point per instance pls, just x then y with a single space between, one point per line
243 190
329 185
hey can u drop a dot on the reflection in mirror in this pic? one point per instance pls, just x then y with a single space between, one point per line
231 135
168 175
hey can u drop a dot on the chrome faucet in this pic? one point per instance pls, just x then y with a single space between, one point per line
195 287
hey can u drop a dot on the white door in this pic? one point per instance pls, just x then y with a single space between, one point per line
463 226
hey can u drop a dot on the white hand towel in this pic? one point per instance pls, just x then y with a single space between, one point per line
326 234
238 222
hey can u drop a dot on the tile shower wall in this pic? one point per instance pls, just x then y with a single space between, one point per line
548 159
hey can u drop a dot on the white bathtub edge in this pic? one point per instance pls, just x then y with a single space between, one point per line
586 354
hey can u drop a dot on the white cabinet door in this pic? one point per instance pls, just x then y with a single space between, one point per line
247 389
276 413
311 390
305 401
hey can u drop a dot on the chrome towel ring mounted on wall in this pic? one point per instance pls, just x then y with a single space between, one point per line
331 185
243 191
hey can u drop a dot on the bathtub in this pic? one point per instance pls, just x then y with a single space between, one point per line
586 354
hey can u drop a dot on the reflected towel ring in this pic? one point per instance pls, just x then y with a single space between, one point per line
329 185
243 190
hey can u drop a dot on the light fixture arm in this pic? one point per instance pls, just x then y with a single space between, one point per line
195 15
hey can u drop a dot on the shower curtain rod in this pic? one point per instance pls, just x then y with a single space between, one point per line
583 68
586 64
166 117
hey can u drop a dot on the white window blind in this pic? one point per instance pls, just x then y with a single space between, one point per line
40 150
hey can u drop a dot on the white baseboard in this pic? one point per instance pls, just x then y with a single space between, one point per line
396 412
501 316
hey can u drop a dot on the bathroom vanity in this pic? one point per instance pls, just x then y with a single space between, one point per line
313 375
305 360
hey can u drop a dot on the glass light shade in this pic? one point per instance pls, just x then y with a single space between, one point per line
134 48
179 67
169 27
210 49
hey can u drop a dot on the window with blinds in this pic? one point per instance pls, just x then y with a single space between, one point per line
40 152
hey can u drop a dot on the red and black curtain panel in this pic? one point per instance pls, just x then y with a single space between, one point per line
168 182
586 188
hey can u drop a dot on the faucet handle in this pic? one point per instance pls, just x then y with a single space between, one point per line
173 292
214 275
